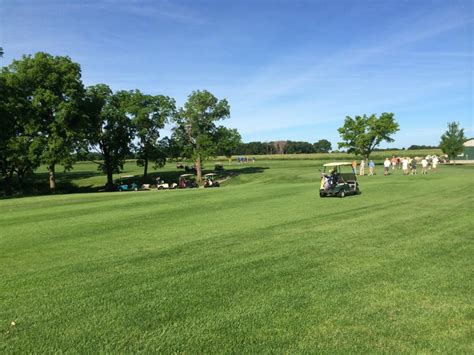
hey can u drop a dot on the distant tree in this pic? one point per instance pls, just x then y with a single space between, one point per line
279 146
196 130
228 141
298 147
452 141
110 129
322 146
149 115
52 89
362 134
253 148
418 147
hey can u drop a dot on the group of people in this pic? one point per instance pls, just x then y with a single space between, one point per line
407 164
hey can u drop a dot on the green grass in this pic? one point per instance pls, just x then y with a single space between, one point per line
260 265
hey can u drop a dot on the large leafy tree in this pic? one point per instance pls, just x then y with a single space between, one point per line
17 144
54 92
149 115
452 141
228 141
322 146
362 134
111 130
196 131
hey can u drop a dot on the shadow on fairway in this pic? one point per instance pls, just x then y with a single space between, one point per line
173 176
38 184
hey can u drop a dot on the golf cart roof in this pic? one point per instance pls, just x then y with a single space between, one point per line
186 175
210 174
338 163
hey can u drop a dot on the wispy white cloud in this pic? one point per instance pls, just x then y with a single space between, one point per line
340 82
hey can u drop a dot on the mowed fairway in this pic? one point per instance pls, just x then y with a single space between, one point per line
260 265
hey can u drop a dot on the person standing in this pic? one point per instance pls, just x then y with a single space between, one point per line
393 161
424 166
434 163
405 166
386 166
371 168
354 166
362 168
413 166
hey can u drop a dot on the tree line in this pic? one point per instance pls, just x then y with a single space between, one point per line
283 147
49 117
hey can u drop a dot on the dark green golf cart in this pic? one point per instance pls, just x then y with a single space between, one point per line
338 179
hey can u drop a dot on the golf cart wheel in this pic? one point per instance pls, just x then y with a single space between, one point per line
216 184
322 194
160 187
342 194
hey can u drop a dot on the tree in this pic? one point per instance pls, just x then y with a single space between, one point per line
452 141
149 115
196 129
21 143
228 141
322 146
363 133
53 89
111 130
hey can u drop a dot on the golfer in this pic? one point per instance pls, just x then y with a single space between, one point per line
405 166
371 168
424 166
362 168
413 166
386 166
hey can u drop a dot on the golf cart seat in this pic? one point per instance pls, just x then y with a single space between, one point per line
347 177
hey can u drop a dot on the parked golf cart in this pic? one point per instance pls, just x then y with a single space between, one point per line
210 180
338 179
187 181
161 185
123 186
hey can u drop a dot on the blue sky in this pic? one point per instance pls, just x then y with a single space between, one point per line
290 69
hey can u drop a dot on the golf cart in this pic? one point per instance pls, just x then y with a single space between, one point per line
161 185
125 187
187 181
338 179
122 186
210 180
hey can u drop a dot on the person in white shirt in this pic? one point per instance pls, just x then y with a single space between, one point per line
435 162
424 166
405 166
362 168
386 166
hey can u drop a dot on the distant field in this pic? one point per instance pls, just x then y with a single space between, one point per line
261 264
378 155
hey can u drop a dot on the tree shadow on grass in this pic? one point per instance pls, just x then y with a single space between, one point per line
38 183
173 176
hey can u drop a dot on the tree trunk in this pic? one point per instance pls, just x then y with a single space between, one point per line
52 178
145 168
8 185
110 180
197 165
